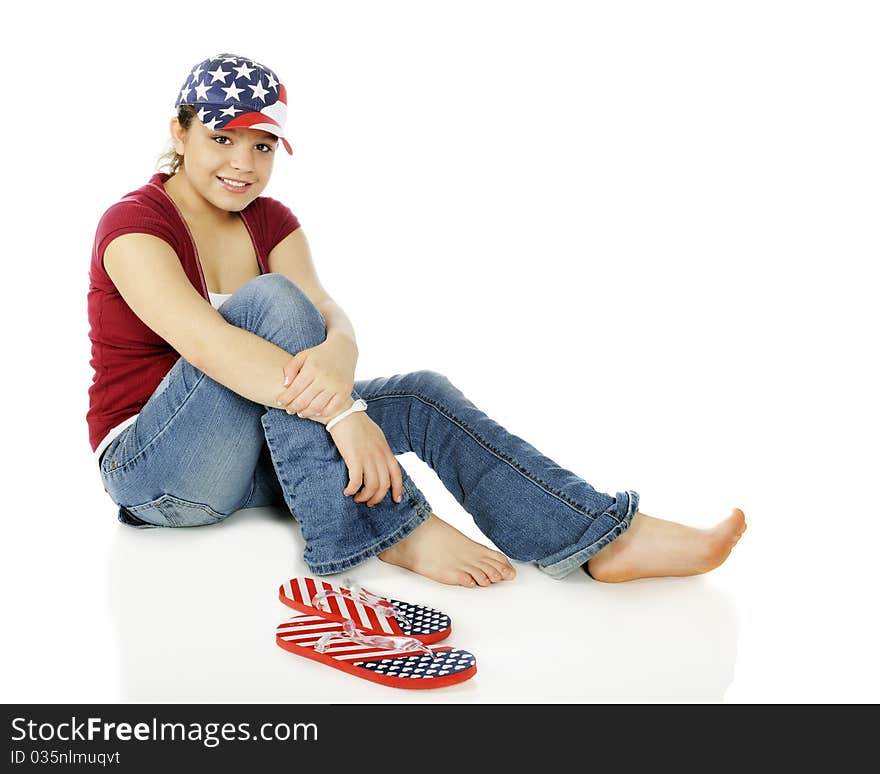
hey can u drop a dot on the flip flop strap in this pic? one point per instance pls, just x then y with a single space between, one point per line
357 594
351 632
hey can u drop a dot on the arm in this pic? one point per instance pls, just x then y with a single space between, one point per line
339 328
293 258
244 362
231 355
148 275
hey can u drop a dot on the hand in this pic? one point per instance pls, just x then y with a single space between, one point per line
369 459
320 381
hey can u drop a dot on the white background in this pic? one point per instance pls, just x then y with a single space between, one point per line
641 235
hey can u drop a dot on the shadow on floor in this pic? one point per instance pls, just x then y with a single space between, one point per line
194 612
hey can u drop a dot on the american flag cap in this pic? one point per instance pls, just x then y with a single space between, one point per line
233 92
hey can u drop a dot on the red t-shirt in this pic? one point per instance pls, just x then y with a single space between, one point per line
128 358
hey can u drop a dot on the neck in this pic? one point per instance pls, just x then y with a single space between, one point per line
193 206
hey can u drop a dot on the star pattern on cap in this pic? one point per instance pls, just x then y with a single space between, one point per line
205 91
227 85
244 71
219 75
232 91
202 91
258 91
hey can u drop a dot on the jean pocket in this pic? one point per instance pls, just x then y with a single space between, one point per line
171 511
127 518
107 464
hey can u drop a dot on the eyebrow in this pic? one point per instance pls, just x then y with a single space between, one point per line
266 135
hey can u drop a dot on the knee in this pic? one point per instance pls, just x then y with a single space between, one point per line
433 385
275 290
276 308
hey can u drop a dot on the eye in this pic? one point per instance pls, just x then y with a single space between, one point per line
269 148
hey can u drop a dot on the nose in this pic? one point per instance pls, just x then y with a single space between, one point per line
242 160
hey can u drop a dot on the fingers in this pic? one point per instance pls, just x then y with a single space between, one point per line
298 389
291 370
294 380
376 484
323 404
355 479
370 477
396 480
373 469
318 406
377 480
304 399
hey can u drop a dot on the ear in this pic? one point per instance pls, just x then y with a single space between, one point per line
177 135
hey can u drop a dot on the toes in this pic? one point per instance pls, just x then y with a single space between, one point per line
504 569
492 572
503 563
508 570
499 557
479 576
463 578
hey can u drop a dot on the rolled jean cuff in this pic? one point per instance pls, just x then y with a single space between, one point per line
421 510
606 527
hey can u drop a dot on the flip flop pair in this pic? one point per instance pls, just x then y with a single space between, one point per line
374 637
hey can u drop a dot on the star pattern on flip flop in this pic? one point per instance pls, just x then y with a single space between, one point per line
447 662
423 620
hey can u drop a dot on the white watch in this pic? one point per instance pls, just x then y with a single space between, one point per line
359 405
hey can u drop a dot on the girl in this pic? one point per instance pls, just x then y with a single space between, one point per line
224 379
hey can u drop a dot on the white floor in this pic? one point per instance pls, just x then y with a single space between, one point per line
189 615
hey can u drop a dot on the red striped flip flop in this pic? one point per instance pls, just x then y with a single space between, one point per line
401 662
370 612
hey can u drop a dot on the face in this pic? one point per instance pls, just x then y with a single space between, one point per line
244 155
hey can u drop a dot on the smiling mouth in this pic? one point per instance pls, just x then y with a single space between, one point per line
237 185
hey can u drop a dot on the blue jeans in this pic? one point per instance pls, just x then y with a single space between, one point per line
198 452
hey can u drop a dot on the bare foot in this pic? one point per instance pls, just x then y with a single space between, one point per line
653 548
440 552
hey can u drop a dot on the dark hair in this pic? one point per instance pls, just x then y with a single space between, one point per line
171 158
